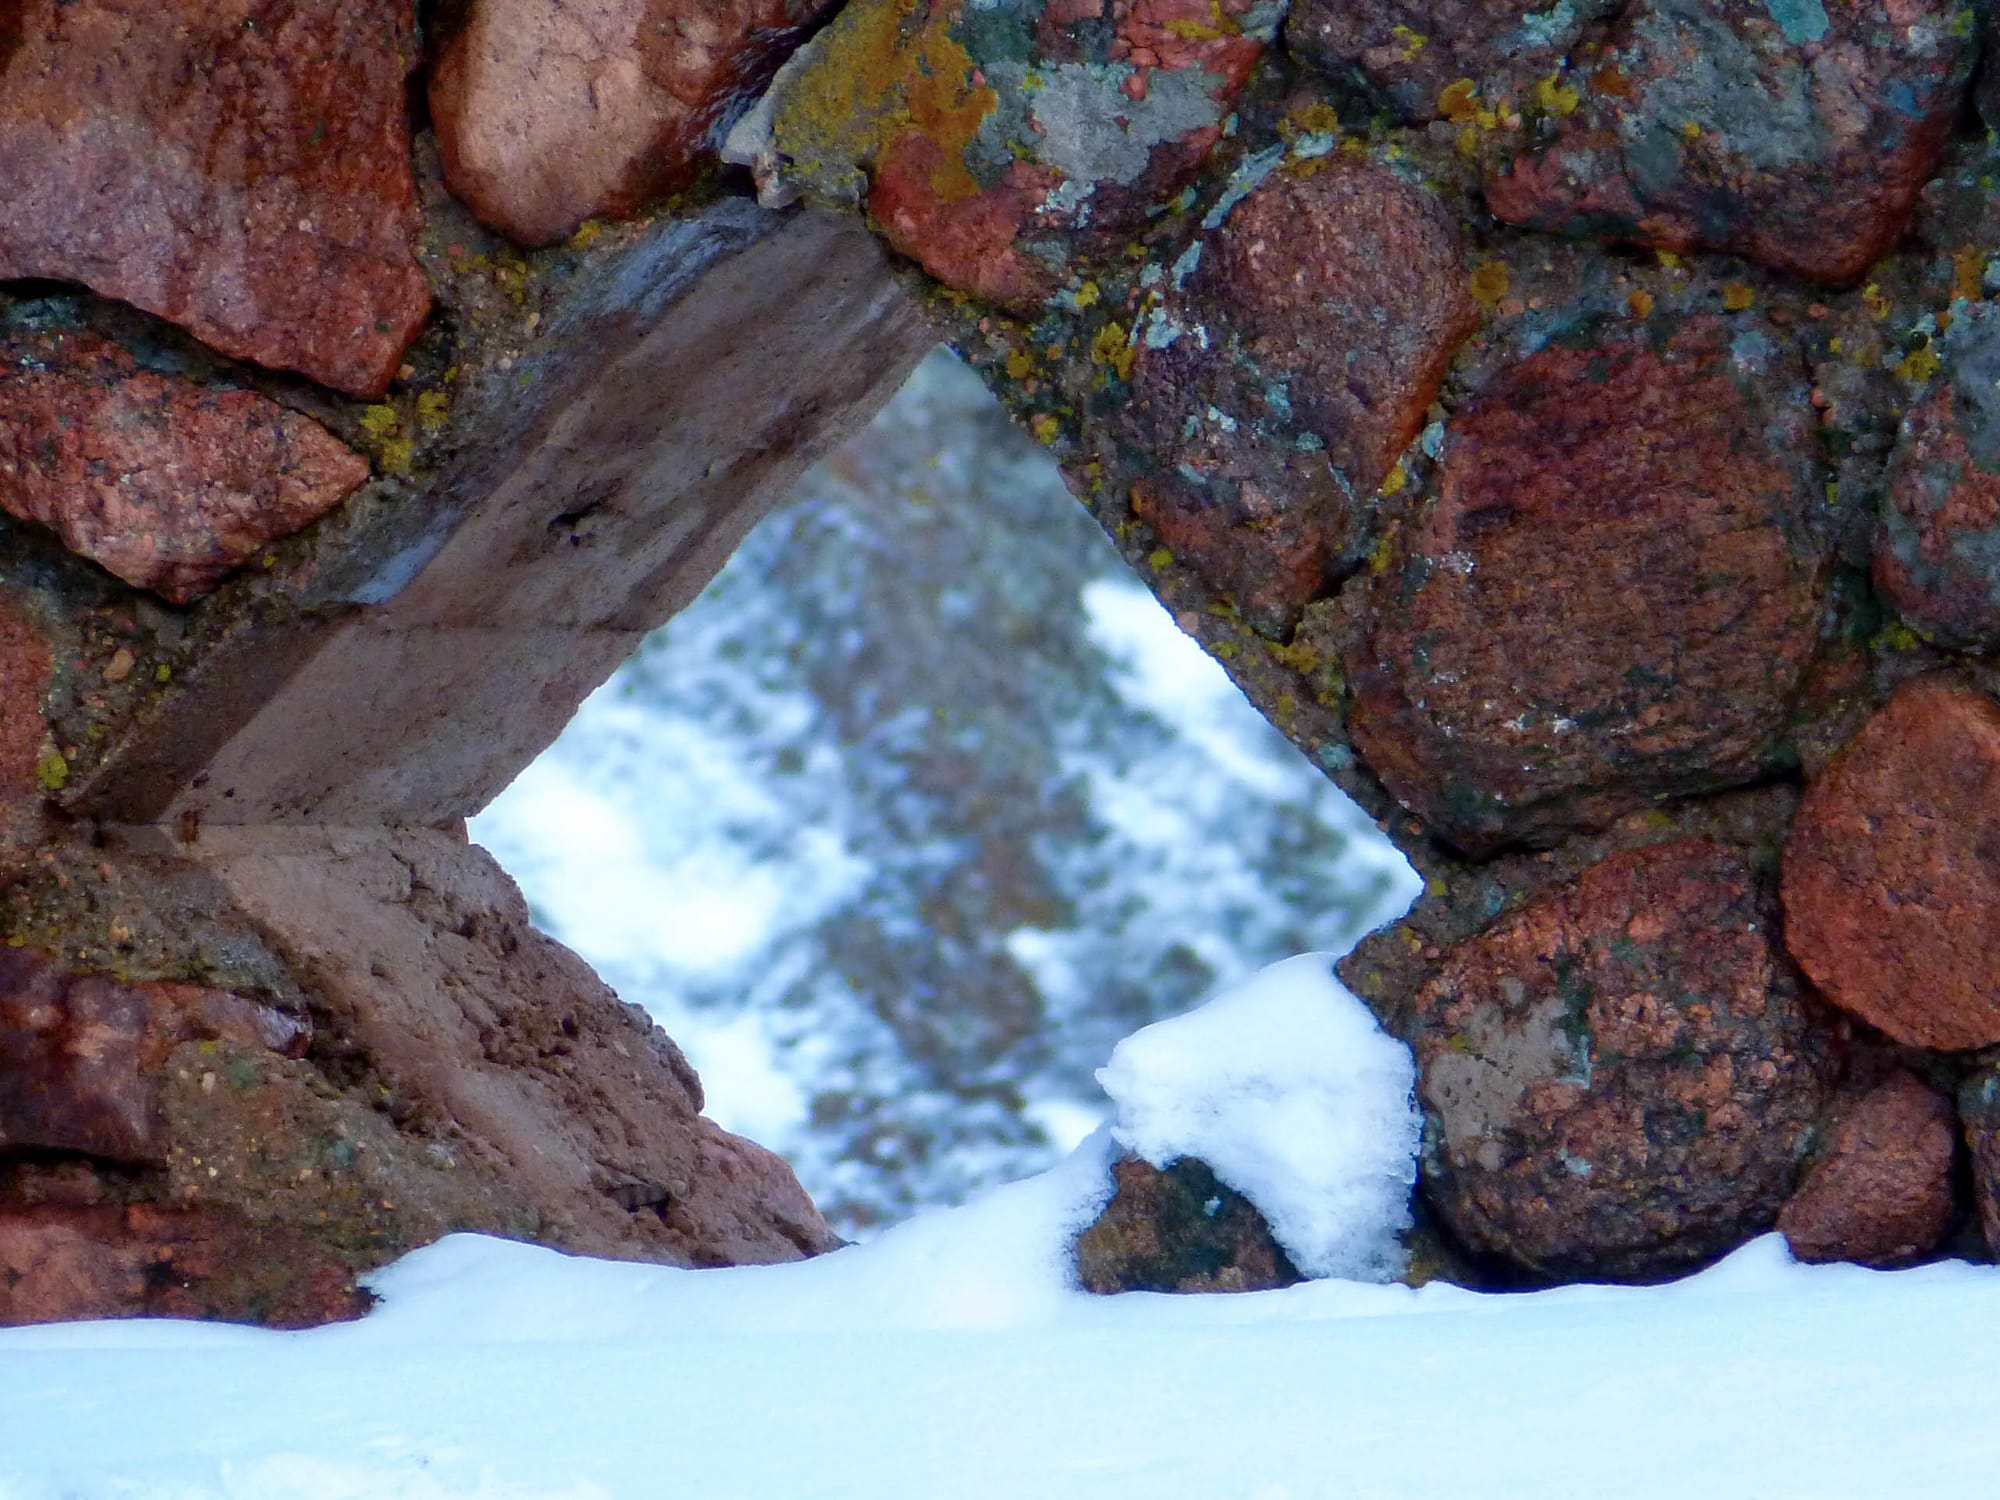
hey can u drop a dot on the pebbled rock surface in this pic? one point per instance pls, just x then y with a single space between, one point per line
241 167
169 484
81 1054
547 115
1937 552
65 1261
1891 887
1797 134
1612 595
26 671
1881 1191
1410 52
1620 1079
988 142
1179 1229
1275 392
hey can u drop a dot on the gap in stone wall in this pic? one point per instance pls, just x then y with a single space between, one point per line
918 809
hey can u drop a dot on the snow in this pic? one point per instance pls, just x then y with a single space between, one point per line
952 1356
1288 1089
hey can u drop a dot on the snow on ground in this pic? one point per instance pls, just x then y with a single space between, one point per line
950 1358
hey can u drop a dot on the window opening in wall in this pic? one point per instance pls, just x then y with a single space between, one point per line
918 809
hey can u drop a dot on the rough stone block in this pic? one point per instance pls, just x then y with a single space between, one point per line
1275 391
1612 596
1880 1192
169 484
1798 135
1179 1229
1621 1078
1937 552
547 115
241 167
1892 892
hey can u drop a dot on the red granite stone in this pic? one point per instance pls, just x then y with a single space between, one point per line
1937 552
1798 136
1622 1076
60 1263
80 1053
1340 289
547 115
1892 870
241 167
1412 51
999 171
1611 598
1880 1192
168 484
1179 1229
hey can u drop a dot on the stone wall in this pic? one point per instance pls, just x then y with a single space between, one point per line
326 506
1570 426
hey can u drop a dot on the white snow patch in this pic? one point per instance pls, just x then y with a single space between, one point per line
1286 1086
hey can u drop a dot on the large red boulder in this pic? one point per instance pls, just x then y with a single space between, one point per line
241 167
1622 1077
1612 596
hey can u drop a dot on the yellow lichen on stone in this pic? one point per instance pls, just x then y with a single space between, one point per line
1411 42
52 771
886 67
1114 351
1736 297
1020 365
1968 274
1045 428
1489 283
1919 364
1395 479
1458 101
1555 97
1640 302
1875 302
432 409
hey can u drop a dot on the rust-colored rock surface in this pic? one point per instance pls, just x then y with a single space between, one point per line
25 669
1621 1078
1937 553
1179 1230
547 115
1411 51
501 1047
1880 1193
1797 134
241 167
168 484
1328 305
61 1262
1892 891
80 1054
1612 596
988 141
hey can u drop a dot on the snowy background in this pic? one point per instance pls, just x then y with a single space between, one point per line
922 806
